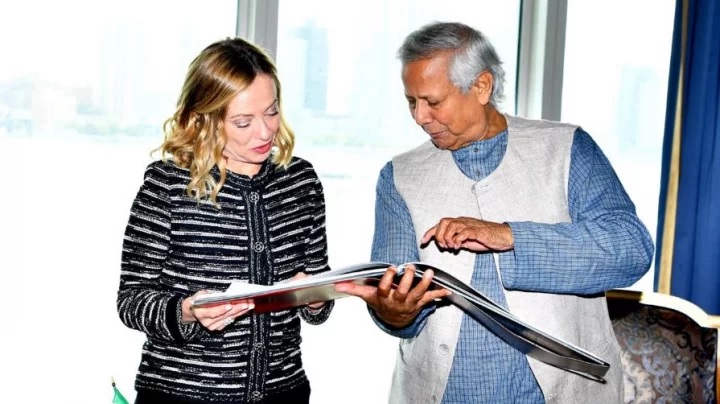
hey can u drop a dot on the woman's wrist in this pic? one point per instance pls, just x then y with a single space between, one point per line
315 307
188 316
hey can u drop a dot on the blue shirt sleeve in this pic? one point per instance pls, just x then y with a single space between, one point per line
605 245
394 242
394 237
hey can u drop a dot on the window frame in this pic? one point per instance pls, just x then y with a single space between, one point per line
541 50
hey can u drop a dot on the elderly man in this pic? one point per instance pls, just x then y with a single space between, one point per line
528 212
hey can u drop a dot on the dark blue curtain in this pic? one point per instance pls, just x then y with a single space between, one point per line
695 269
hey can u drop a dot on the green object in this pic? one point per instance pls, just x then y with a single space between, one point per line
118 398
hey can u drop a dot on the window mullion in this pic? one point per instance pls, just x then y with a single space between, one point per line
257 21
541 57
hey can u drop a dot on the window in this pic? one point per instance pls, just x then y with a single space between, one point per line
84 89
343 96
615 87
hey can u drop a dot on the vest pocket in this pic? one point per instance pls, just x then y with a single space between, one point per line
406 352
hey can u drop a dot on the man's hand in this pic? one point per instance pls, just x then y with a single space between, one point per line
399 306
470 234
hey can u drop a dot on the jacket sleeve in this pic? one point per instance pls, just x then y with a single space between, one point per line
142 303
317 254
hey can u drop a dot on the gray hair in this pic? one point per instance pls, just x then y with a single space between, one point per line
472 53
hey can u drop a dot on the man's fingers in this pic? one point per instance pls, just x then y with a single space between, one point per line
447 228
428 235
440 230
362 291
434 295
405 284
426 280
386 283
461 237
417 293
451 232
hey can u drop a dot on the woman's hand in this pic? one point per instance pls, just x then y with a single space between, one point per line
303 275
216 317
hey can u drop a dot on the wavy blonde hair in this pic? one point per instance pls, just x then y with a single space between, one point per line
194 134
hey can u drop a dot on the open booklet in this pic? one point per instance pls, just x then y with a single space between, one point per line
518 334
317 288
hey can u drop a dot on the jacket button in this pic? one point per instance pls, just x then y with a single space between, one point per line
443 349
258 247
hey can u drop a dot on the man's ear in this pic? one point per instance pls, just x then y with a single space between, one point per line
483 87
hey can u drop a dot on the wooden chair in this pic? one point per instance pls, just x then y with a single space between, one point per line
669 348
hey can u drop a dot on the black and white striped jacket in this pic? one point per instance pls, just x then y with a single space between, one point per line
267 229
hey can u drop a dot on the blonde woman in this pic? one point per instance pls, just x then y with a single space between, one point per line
228 202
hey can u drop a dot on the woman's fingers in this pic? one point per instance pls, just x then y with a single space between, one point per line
218 317
219 324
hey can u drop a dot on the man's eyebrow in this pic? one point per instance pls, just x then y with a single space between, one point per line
275 101
419 97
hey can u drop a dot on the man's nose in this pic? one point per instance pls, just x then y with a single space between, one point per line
421 114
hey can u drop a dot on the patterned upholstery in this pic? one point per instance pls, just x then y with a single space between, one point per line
667 356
